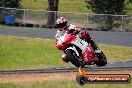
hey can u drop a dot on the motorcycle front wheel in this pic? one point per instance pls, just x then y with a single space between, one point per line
74 59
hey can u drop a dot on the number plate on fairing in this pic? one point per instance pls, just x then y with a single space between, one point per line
80 43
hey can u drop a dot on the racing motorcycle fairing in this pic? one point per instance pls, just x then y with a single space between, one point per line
65 40
88 55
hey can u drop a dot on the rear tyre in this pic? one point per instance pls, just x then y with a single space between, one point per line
102 59
74 59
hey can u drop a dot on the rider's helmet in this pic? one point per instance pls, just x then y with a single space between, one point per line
61 23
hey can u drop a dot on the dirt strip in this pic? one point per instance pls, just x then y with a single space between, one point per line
9 78
39 77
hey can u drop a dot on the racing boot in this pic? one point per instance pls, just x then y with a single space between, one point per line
65 58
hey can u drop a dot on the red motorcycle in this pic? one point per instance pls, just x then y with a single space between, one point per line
78 51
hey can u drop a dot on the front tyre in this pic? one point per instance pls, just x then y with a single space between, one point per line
74 59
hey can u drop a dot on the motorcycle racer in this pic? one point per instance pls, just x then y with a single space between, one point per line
63 26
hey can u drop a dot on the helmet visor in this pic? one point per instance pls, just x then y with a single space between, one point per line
62 25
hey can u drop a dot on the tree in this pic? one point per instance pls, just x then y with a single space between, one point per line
107 7
10 3
130 1
52 14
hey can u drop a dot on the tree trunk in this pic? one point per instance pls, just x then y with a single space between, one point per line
53 7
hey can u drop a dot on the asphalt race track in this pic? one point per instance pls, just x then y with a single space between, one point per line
115 66
115 38
101 37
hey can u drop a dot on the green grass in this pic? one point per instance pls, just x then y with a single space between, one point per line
65 6
117 53
20 53
73 6
62 84
30 4
25 53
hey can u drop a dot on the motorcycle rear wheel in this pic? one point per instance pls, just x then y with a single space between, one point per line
74 59
102 59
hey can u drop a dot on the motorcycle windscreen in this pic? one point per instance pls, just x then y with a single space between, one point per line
59 34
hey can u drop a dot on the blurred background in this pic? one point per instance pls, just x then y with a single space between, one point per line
108 15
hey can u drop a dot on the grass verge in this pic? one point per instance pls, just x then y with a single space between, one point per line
62 84
56 80
25 53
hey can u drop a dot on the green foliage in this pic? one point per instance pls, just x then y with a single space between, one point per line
106 6
11 3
